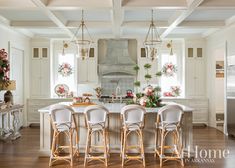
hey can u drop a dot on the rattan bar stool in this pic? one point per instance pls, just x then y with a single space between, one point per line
169 124
96 117
132 122
63 122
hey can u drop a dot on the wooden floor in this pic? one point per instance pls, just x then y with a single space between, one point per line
23 153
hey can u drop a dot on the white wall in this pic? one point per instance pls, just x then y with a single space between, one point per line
21 42
215 47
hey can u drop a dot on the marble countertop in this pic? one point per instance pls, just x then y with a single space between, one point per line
112 107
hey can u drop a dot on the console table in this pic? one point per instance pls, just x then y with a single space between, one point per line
10 120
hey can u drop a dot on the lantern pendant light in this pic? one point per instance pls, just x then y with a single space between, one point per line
152 41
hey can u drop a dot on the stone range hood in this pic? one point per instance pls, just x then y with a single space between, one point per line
117 60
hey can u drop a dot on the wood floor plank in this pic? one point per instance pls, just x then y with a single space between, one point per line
23 153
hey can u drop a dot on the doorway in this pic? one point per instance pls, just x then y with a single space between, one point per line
17 74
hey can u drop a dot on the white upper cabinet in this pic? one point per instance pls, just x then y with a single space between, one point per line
40 72
195 69
87 69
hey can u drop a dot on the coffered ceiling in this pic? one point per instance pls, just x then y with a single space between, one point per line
116 18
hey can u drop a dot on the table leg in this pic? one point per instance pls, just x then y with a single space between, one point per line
15 124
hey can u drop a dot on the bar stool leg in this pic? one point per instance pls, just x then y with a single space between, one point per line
52 148
105 148
77 141
87 147
71 147
162 147
156 142
142 146
121 145
124 147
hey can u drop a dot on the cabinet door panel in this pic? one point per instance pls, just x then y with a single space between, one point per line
45 78
92 70
35 78
200 78
190 77
82 71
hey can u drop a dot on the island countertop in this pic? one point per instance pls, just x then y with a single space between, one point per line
112 107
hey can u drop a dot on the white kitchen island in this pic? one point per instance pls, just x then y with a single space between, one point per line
114 129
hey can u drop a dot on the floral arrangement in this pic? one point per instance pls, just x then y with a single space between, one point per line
175 92
65 69
4 68
98 91
150 97
169 69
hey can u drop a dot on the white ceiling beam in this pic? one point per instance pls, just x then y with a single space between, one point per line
184 24
153 4
202 24
33 24
52 16
90 24
184 14
7 24
209 32
143 24
117 17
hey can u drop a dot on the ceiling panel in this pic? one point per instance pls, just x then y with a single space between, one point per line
15 3
47 31
211 15
189 31
19 15
89 15
80 3
145 15
139 31
95 31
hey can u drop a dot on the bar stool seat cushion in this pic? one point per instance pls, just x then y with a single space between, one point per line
95 126
133 126
171 126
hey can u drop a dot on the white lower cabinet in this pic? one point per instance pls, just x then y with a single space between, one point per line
33 116
200 106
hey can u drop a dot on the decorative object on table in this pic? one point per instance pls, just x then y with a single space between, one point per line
61 90
175 90
98 91
219 69
65 69
149 98
129 93
77 100
169 69
147 76
4 68
8 96
152 41
86 97
79 39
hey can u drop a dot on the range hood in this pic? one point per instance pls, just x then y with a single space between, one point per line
117 61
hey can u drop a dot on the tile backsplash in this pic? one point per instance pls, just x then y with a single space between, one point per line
109 85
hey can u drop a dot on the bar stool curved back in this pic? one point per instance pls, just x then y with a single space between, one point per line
96 117
63 121
169 122
132 121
